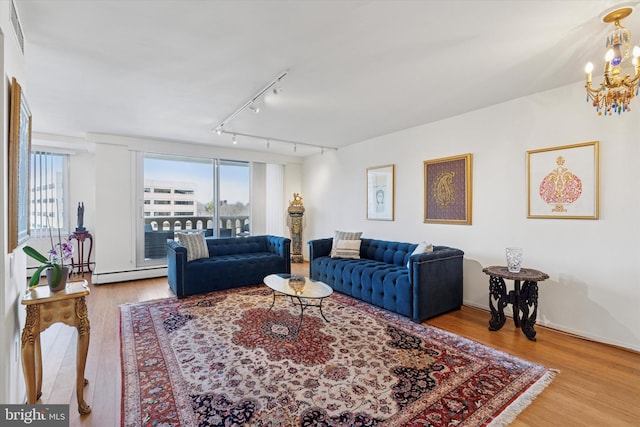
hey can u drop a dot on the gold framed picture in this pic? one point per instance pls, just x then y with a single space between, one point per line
19 153
447 190
563 182
380 193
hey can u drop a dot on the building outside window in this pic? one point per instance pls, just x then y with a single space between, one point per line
48 188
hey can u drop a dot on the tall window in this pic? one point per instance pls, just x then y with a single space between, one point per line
187 193
48 192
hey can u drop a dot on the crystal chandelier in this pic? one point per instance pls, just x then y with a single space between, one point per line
617 90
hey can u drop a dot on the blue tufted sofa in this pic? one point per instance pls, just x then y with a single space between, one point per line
232 262
431 285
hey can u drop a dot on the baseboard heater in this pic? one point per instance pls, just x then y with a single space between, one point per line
124 276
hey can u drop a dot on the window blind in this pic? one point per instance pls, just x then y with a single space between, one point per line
48 183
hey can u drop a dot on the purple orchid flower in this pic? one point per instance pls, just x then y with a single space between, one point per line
67 249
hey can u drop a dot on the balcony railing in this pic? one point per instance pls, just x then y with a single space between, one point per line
238 223
158 229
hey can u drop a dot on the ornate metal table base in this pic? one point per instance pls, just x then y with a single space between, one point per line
524 300
301 290
302 302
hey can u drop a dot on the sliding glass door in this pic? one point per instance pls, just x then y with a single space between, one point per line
234 200
182 194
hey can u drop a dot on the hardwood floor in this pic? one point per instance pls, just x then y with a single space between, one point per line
598 385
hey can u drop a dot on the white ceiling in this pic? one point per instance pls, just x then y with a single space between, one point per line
174 69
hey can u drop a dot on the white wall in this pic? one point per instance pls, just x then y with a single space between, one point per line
112 186
114 214
81 189
594 265
13 265
275 197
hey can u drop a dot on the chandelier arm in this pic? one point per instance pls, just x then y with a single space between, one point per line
634 81
591 91
607 74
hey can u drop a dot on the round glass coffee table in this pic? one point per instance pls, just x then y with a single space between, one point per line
301 290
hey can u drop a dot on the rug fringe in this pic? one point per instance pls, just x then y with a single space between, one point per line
509 414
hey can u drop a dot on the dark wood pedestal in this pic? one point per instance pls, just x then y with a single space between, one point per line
80 237
524 300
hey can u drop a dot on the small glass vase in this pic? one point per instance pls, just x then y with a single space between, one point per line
60 284
514 259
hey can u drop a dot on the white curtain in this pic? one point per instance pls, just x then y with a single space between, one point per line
275 204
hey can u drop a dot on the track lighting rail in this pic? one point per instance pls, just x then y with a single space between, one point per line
253 99
285 141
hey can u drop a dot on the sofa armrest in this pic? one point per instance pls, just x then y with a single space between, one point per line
437 280
281 246
439 252
176 266
318 248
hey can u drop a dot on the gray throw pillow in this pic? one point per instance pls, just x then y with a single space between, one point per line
343 235
195 244
348 249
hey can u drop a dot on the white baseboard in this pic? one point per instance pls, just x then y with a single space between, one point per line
562 328
123 276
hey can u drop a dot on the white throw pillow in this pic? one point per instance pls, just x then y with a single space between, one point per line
347 249
195 244
420 249
343 235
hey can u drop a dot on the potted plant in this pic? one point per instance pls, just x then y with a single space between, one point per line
57 272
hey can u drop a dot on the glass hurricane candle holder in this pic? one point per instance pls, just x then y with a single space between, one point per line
514 259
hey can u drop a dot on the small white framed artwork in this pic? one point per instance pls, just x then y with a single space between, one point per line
380 193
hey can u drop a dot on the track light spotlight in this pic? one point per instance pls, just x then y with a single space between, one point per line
218 130
234 139
295 147
322 151
254 108
268 144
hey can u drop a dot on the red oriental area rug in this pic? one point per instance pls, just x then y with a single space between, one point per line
223 359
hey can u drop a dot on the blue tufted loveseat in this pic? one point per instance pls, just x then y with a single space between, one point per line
430 285
232 262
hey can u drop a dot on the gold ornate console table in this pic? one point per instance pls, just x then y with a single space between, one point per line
44 308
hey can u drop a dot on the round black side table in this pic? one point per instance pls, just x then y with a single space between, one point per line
524 300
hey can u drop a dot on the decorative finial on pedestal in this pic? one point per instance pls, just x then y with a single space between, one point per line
80 226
